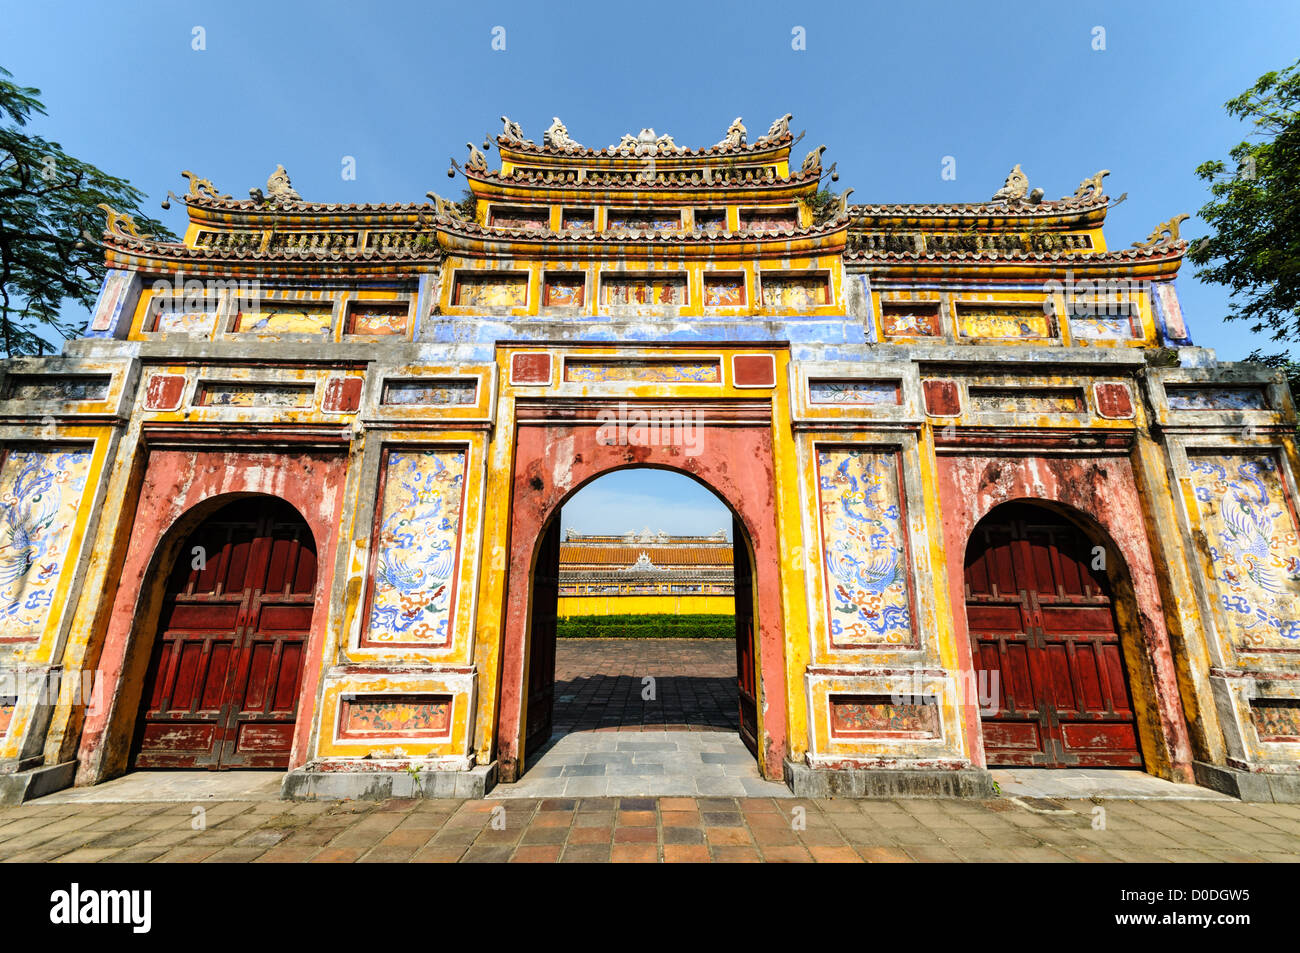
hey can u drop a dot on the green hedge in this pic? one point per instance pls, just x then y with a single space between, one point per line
696 626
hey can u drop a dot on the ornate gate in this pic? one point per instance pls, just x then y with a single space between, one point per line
222 687
1041 620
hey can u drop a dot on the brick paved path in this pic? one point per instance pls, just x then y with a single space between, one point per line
649 829
599 685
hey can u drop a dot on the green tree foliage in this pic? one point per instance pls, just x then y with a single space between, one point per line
1255 213
48 205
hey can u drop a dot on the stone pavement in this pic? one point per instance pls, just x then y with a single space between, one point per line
609 738
649 829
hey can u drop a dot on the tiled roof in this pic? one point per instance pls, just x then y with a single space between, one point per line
1168 250
572 555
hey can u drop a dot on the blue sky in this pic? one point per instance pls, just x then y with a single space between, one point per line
890 88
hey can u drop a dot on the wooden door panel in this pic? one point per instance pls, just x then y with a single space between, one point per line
222 689
1041 618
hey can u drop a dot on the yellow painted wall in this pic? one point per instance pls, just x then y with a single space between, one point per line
647 605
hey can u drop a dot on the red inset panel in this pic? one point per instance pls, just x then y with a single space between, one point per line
530 369
942 399
753 370
342 394
1114 401
163 392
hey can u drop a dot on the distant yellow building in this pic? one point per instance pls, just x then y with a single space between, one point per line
646 573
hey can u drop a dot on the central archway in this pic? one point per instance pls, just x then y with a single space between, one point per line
644 588
554 459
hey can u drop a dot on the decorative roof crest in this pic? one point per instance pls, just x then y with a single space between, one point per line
557 136
1165 233
120 223
202 188
477 160
779 129
514 132
1015 189
279 188
1090 188
736 135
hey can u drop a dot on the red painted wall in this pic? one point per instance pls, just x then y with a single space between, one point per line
175 482
1102 488
552 461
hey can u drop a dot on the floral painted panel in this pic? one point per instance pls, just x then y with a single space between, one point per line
918 320
431 391
798 292
418 546
986 321
508 291
1216 398
724 291
1027 400
583 219
222 394
70 387
669 221
869 714
411 715
769 221
174 321
564 291
39 496
1254 548
700 372
1276 718
862 529
377 319
652 290
1104 328
287 319
853 392
521 219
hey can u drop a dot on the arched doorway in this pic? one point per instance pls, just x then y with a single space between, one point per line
222 687
1041 616
640 586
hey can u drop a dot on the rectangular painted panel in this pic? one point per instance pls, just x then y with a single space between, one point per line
1027 400
795 291
721 291
1276 719
287 318
1216 398
491 291
430 391
865 552
1254 548
825 391
650 371
402 715
650 290
1004 322
564 291
68 387
40 493
367 318
1103 327
919 319
230 394
418 547
875 714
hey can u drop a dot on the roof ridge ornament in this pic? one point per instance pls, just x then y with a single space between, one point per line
477 160
812 162
202 188
557 136
1166 233
1015 189
514 132
279 188
779 129
735 137
120 223
1090 188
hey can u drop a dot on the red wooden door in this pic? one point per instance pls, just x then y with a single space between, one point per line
746 684
222 687
1042 622
541 642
